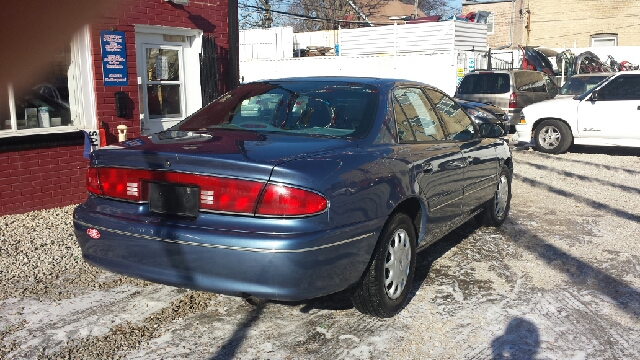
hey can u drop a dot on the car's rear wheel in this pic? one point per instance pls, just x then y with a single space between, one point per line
496 210
385 285
553 137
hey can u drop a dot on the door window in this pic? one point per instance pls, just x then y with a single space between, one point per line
415 118
456 121
163 82
624 87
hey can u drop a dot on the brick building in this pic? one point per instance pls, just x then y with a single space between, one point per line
565 23
145 64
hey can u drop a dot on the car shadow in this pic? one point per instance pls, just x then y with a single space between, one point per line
608 150
424 260
435 251
583 178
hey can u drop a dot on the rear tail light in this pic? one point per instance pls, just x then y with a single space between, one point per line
216 193
287 201
513 101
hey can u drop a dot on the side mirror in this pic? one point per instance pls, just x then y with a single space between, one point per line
489 130
594 96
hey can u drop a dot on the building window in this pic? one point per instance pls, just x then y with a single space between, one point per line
604 40
490 23
54 102
163 83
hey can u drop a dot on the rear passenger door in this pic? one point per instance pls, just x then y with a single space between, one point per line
434 160
480 155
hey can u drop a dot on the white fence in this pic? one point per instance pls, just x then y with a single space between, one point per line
274 43
436 69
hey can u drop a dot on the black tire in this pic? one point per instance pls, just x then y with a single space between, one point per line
496 210
396 248
553 137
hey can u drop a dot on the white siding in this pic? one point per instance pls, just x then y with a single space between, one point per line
413 38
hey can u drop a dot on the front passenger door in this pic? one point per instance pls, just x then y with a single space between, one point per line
436 162
480 155
616 112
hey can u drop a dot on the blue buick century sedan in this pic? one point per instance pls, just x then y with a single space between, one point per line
295 188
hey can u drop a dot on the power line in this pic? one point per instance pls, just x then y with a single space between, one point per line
314 18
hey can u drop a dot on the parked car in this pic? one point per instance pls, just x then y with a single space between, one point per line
335 183
509 89
606 115
486 113
578 84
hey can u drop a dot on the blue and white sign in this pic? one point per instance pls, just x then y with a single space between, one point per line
114 58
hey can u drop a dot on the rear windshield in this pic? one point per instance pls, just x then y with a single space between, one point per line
489 83
578 85
530 81
335 109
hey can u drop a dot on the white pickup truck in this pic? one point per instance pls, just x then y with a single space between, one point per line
606 115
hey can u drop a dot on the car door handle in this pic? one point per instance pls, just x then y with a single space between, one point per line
638 107
427 168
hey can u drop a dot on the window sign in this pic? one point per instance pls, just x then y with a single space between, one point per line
162 67
114 58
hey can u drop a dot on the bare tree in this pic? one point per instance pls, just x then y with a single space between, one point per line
314 15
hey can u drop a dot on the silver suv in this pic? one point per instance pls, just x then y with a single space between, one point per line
509 89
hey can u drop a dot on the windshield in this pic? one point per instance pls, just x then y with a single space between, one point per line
579 84
320 108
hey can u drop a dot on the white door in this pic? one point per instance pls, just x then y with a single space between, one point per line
615 114
168 71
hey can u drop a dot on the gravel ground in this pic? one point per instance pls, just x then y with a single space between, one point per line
560 280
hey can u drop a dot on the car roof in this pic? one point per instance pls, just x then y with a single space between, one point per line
353 79
605 74
479 71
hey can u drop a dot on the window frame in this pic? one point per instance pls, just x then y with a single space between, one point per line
83 111
595 38
181 82
491 21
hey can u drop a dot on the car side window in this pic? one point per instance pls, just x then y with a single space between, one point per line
415 118
624 87
456 121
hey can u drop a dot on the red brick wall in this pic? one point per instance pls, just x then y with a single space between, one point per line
41 178
207 15
38 179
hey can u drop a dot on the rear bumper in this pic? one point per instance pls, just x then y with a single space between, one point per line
514 116
284 266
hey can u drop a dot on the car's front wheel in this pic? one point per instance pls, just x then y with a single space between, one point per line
385 285
553 137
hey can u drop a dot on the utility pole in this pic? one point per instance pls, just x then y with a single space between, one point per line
267 18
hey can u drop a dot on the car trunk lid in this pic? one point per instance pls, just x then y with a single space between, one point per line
235 153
